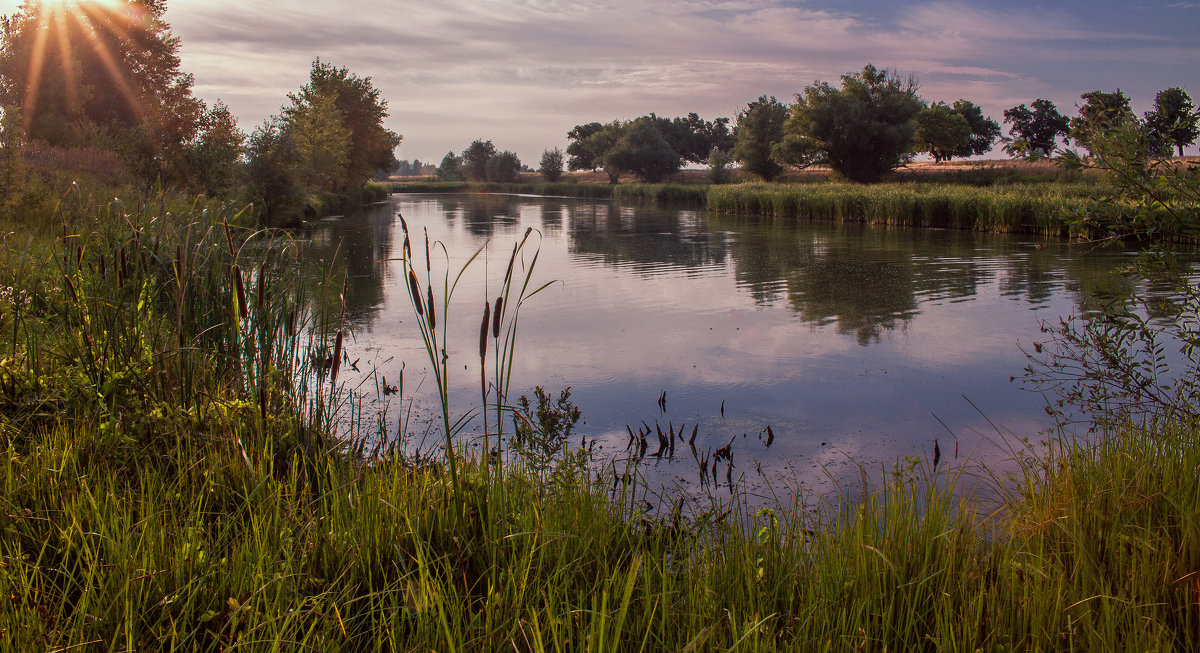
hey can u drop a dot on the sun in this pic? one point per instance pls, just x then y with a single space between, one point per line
69 24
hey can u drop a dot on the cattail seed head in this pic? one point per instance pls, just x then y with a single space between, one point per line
483 332
496 316
415 288
432 311
241 291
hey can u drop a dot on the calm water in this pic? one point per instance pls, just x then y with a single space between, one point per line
854 343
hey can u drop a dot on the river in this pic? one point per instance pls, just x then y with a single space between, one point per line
857 345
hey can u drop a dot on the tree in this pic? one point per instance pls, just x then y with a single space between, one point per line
214 154
692 137
759 129
589 143
1035 131
718 166
320 141
100 75
271 174
984 130
450 169
1174 120
643 151
1100 112
862 130
943 131
552 165
357 105
503 167
475 159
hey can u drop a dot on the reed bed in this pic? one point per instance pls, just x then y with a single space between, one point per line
166 395
1024 208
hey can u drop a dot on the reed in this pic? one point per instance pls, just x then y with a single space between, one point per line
168 482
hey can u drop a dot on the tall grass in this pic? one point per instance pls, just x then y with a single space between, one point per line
1025 208
168 483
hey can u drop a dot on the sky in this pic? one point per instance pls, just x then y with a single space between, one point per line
522 73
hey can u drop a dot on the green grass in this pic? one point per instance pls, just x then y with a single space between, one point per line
168 483
1018 208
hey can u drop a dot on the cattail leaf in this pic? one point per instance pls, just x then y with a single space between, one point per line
241 291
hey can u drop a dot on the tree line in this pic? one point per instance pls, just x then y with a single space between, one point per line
873 122
108 79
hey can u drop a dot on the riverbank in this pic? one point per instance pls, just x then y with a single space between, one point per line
169 483
1027 207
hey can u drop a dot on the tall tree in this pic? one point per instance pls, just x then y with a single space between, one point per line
862 130
759 129
552 165
1174 120
1035 131
94 73
644 151
942 131
320 140
216 151
984 130
475 159
1100 112
450 168
504 167
360 109
585 151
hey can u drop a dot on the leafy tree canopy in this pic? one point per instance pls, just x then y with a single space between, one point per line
984 130
551 165
450 168
475 159
356 105
644 151
759 129
942 131
1100 112
503 167
862 130
1174 120
1035 131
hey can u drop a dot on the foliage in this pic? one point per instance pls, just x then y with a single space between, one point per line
862 130
551 165
760 126
984 130
345 113
692 137
320 141
943 131
719 162
449 169
105 77
475 159
216 153
503 167
1100 112
272 181
643 151
1035 131
1174 120
541 433
584 151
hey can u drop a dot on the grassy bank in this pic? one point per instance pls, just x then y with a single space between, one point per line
168 483
1032 207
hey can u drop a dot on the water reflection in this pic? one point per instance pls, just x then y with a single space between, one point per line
847 339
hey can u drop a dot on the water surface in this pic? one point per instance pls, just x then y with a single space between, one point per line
856 344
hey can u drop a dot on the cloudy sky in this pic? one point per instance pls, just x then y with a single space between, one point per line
523 72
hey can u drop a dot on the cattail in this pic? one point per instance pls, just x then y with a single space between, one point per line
403 224
415 288
71 288
337 357
512 259
427 261
496 317
228 235
483 332
262 284
103 271
241 291
432 311
407 247
291 322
